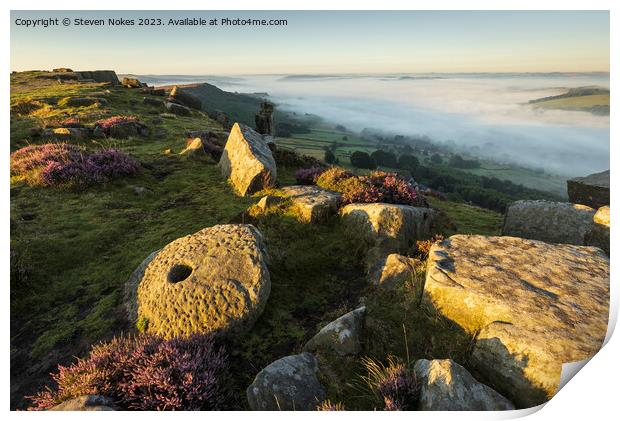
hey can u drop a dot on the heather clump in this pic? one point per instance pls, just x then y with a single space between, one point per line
54 164
331 178
105 124
145 373
378 187
393 384
308 176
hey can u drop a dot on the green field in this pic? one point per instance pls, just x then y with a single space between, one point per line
574 103
314 144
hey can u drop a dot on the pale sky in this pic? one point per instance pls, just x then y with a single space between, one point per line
321 42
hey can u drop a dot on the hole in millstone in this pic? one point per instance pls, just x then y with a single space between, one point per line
179 272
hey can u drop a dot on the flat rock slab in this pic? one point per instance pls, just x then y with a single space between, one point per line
247 161
342 336
288 384
535 305
391 227
552 222
86 403
447 386
313 204
592 190
215 280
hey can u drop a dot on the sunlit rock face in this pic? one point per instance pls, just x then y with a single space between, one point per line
534 305
247 161
447 386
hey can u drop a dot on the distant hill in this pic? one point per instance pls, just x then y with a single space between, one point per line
239 107
592 99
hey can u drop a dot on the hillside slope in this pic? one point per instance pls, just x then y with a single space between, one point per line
590 99
72 250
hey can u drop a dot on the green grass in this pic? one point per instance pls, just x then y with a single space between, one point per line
469 219
81 246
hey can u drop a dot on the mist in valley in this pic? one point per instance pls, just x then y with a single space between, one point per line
484 115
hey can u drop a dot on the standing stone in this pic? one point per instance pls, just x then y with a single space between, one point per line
448 386
264 119
592 190
599 234
247 161
535 306
313 204
215 280
288 384
552 222
342 336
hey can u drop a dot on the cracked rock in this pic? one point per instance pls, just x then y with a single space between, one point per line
535 306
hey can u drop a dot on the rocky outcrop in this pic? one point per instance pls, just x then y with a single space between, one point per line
288 384
264 119
447 386
247 161
99 76
535 306
312 204
552 222
84 101
131 82
195 149
392 228
86 403
592 190
599 233
126 129
153 102
343 336
215 280
393 271
67 133
183 97
178 109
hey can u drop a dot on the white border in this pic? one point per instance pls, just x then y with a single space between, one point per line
592 394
